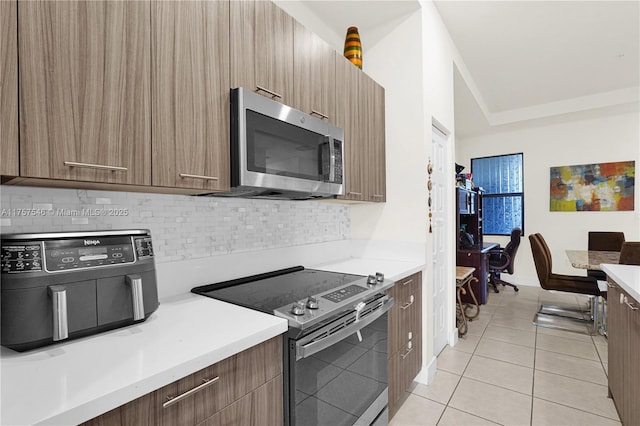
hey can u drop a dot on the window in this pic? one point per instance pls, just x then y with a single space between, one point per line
502 178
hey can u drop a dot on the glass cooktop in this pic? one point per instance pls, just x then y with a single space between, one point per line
267 292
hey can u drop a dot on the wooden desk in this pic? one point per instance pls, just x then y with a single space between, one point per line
477 258
591 259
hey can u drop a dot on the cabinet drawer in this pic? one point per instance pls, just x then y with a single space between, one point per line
262 407
237 376
201 395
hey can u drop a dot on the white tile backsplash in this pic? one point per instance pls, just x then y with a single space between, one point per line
183 227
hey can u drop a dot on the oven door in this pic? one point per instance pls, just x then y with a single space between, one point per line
339 377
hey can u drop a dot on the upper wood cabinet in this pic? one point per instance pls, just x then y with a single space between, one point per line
85 91
348 116
360 111
190 94
376 139
262 49
9 88
314 64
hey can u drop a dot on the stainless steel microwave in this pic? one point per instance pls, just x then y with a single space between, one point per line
281 153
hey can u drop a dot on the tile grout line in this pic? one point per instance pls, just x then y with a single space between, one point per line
577 409
462 374
533 379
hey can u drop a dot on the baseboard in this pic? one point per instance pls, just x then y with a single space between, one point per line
426 375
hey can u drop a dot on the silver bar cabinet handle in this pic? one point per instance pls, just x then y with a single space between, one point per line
354 193
59 305
185 175
205 383
273 94
378 196
319 114
626 302
137 300
406 354
95 166
406 305
407 282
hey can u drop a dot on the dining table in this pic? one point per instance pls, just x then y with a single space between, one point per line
591 259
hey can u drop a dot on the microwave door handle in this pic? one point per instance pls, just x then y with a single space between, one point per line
332 160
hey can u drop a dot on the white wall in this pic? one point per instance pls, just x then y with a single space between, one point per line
414 62
400 71
608 138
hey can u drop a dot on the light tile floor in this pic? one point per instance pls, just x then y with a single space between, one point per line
506 371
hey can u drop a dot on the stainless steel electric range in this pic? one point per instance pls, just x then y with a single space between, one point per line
335 352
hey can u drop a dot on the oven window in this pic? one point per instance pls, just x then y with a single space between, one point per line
344 382
279 148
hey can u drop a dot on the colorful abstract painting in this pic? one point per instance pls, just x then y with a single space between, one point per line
593 187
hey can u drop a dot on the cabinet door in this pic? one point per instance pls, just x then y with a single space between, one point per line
616 330
314 63
9 88
394 337
376 139
411 319
190 94
633 377
85 90
348 117
262 49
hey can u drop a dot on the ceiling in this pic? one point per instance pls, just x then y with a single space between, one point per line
525 60
521 60
374 19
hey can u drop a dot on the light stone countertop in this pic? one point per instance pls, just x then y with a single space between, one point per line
391 268
72 382
626 276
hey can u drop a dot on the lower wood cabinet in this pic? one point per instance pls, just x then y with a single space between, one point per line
405 337
244 389
623 334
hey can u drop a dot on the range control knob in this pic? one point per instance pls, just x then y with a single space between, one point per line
297 309
379 277
312 303
371 280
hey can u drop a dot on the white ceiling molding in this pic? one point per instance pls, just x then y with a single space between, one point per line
583 103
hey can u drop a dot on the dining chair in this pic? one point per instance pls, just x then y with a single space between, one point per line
502 260
564 283
603 241
630 253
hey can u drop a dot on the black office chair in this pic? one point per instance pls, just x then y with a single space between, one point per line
604 241
502 260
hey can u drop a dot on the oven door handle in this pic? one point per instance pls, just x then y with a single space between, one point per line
307 346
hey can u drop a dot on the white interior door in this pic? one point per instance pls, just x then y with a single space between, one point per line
440 178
